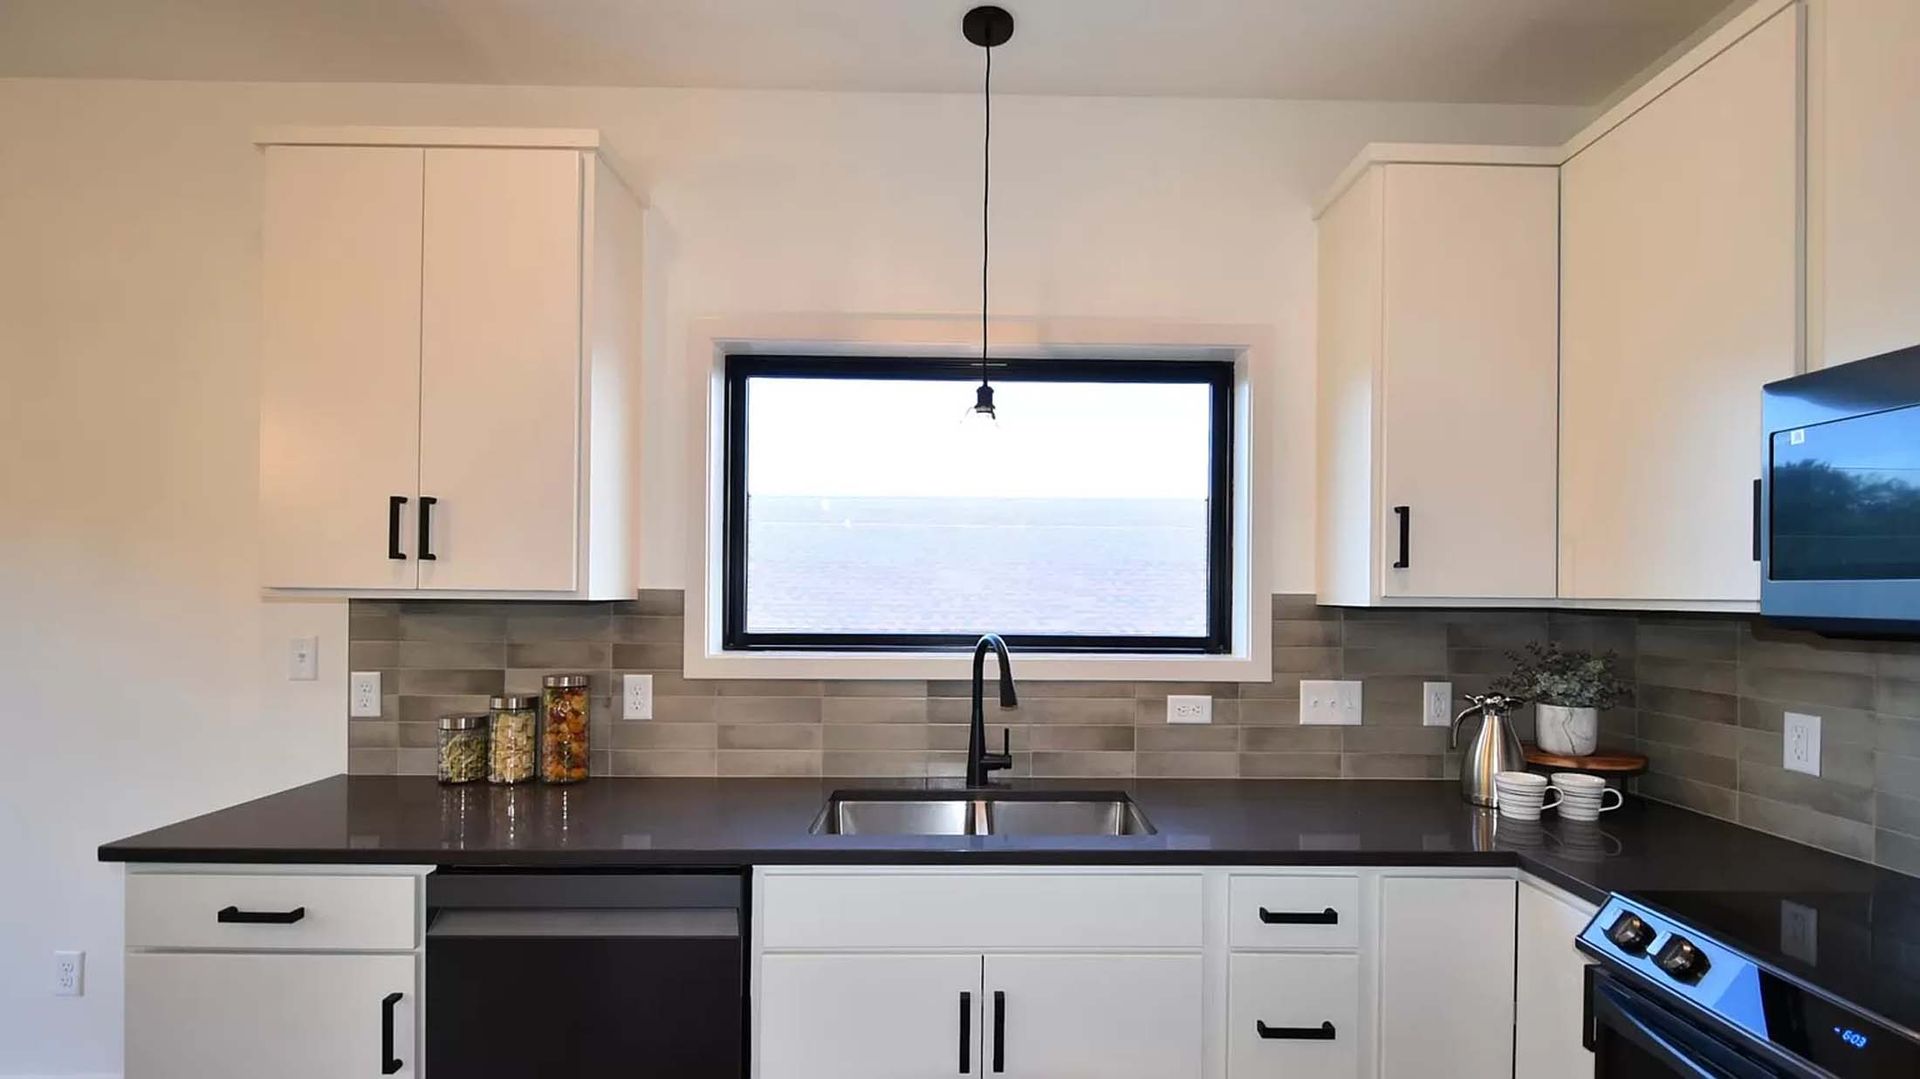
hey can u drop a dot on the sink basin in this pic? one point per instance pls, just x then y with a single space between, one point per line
1024 813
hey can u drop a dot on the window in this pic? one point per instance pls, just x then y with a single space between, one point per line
864 514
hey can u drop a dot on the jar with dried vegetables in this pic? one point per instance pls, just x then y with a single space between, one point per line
515 726
563 728
463 748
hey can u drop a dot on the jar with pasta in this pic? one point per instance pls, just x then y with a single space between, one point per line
463 748
563 728
515 726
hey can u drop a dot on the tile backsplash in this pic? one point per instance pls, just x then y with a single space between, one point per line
1711 694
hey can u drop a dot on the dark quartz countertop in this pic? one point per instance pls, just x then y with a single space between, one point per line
720 823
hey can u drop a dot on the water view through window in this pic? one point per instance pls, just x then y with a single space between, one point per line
872 509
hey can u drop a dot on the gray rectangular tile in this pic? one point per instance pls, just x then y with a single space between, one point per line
1187 765
1389 766
1170 738
1840 835
1289 765
1290 739
663 762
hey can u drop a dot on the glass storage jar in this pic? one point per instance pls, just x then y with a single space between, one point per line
515 725
563 728
463 748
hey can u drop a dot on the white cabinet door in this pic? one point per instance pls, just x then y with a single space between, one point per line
500 369
1293 1016
1349 352
340 376
1469 381
1679 300
868 1017
1093 1016
1446 977
1549 989
214 1016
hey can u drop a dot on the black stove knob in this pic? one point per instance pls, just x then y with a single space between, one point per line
1681 960
1630 934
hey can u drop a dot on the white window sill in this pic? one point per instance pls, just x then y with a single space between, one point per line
954 666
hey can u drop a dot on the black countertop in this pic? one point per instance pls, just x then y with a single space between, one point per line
607 822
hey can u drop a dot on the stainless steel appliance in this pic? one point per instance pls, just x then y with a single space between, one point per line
576 975
1671 998
1494 749
1837 512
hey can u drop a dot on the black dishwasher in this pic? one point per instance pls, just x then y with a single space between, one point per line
581 975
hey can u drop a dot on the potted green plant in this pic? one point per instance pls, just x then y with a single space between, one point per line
1568 687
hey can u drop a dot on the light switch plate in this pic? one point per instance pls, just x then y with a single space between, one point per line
363 695
303 659
636 695
1800 743
1436 704
1189 709
1329 703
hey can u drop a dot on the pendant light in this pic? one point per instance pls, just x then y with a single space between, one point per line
988 27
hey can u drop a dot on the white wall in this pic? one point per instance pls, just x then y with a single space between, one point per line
141 678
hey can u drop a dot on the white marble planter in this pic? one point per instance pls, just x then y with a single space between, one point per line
1569 732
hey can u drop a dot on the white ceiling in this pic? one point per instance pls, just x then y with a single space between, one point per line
1560 52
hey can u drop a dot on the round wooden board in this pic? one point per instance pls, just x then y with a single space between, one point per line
1629 764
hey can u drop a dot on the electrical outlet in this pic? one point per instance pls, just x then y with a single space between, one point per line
1326 703
1436 704
1189 709
1800 743
636 696
69 974
303 659
1800 932
363 695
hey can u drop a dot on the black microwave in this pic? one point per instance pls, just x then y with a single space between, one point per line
1839 502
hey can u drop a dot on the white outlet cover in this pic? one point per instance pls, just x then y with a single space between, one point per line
303 659
1800 743
1183 708
1436 704
1329 703
69 974
636 695
363 695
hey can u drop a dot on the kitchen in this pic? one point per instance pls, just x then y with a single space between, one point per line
290 271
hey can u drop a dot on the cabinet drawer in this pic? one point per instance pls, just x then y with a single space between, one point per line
983 911
271 912
1278 1007
1294 912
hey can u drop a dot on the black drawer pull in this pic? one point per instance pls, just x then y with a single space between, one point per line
1321 1033
1300 917
426 527
394 502
388 1062
999 1030
966 1033
236 916
1405 513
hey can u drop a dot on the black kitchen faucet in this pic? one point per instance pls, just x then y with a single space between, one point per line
981 763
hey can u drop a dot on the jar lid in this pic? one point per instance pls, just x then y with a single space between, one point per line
564 681
462 722
513 703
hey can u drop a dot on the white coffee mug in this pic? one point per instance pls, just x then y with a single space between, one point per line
1584 797
1522 795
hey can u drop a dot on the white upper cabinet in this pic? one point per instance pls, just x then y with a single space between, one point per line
1679 299
1864 153
450 369
340 389
1438 382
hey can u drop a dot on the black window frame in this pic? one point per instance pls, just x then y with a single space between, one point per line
1217 375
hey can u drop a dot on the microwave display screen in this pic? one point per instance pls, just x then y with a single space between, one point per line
1846 499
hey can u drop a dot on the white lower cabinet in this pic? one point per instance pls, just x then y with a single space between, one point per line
1293 1015
869 1016
1549 990
1093 1016
1446 977
241 1016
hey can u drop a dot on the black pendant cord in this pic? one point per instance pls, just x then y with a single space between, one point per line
986 203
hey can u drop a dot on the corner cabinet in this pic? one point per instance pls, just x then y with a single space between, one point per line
449 366
1680 298
1438 384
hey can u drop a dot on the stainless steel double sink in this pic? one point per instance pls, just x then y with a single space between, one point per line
979 812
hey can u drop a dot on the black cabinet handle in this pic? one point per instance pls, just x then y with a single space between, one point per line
999 1031
388 1062
1321 1033
1405 513
1300 917
1756 520
426 527
1589 1027
966 1033
236 916
394 502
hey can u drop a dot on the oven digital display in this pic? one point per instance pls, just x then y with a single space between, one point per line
1851 1037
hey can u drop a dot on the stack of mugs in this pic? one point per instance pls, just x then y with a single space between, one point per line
1523 796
